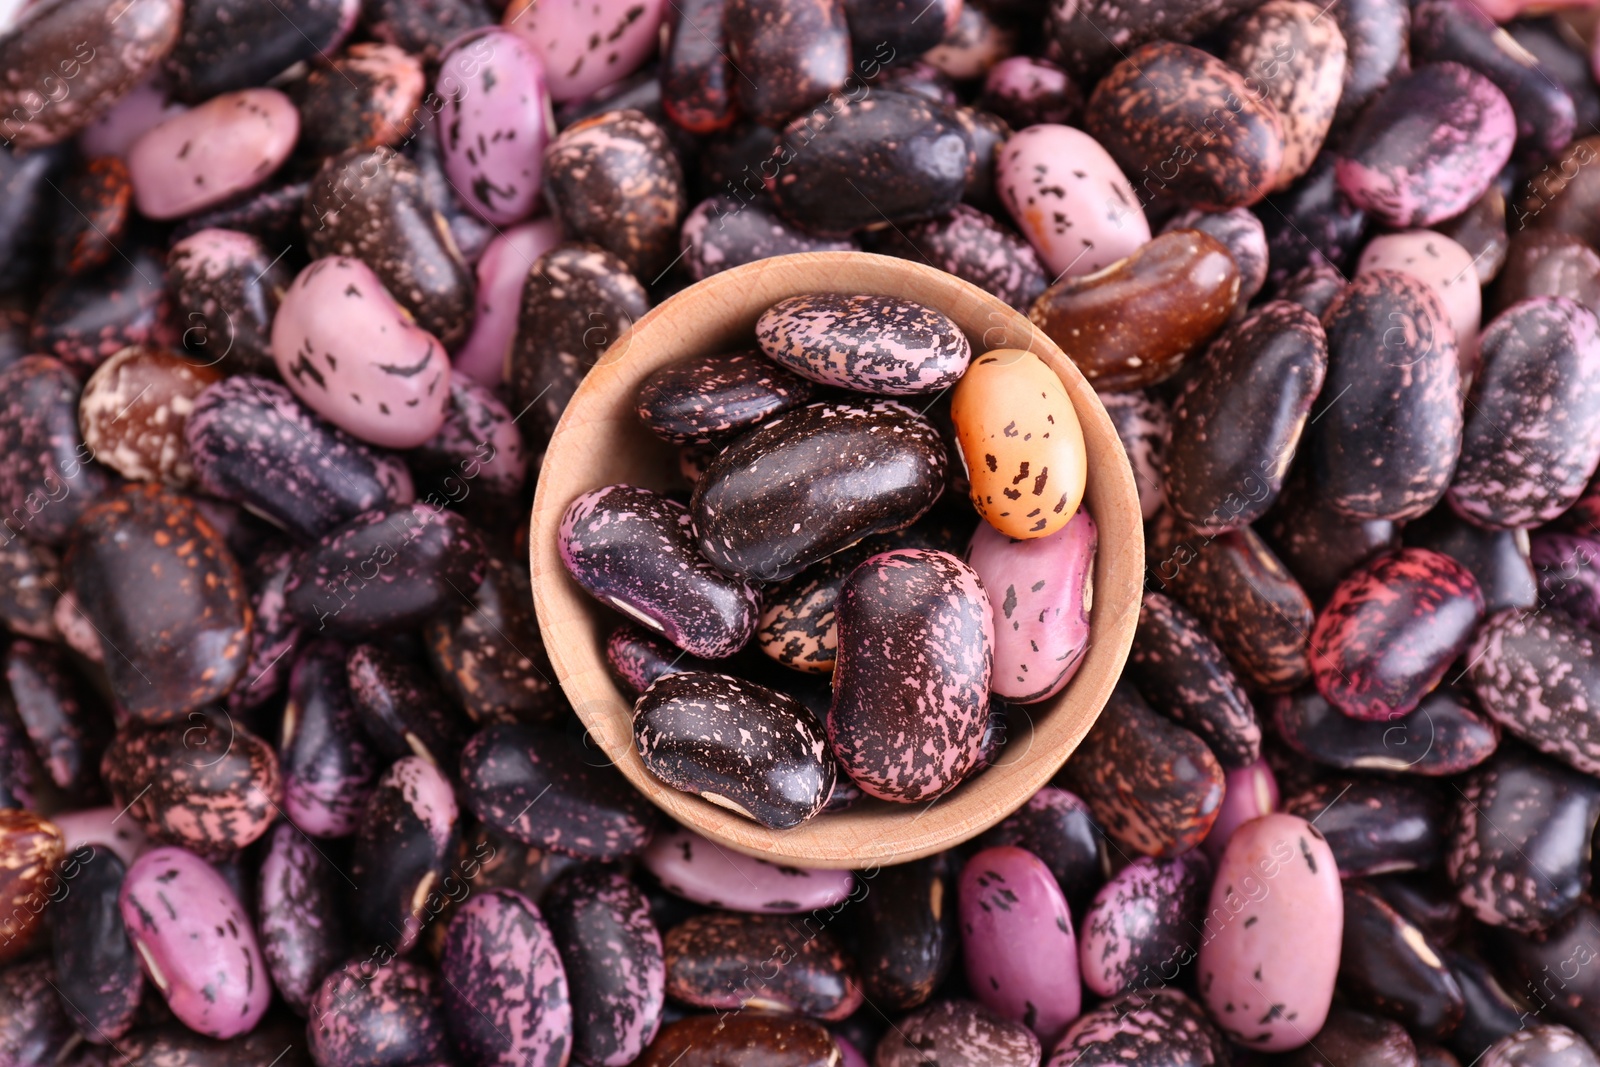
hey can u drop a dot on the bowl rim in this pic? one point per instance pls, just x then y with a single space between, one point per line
573 624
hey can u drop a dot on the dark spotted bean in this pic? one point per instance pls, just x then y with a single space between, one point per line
96 969
1351 1036
1547 263
1249 602
742 1039
1390 631
226 45
577 301
30 580
584 807
1387 965
634 550
401 708
1163 92
301 921
84 320
386 570
1144 426
1137 1027
723 232
1500 560
205 783
805 47
697 79
1185 676
708 965
489 653
714 398
614 180
906 156
1094 35
911 613
1312 224
328 766
1525 456
1527 960
739 745
49 478
636 658
386 1012
1377 825
1448 30
1516 806
66 41
1317 543
360 100
1387 448
405 837
907 932
975 248
1444 735
251 441
813 481
66 722
1237 422
614 965
1537 675
1152 785
1408 181
505 990
225 289
1140 922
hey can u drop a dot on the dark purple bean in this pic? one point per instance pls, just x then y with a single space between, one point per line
614 964
386 570
543 789
303 931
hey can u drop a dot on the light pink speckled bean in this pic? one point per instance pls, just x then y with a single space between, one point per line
101 826
1041 591
195 941
354 356
587 44
1250 792
1017 940
1069 199
202 157
1273 930
703 871
145 107
496 121
1449 269
502 270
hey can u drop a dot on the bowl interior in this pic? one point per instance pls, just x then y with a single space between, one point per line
600 441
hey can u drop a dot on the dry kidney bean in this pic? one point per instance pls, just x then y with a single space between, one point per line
1348 608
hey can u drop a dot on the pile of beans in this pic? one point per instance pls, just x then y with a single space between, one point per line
293 294
803 531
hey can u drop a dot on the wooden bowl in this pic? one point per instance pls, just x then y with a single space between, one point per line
600 441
